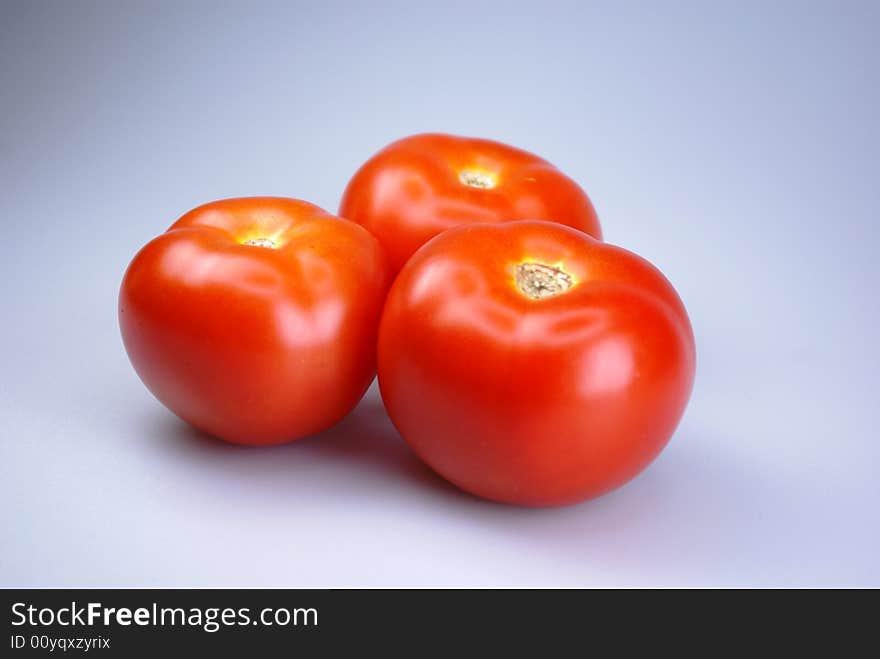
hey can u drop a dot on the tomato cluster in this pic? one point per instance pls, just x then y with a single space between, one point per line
521 358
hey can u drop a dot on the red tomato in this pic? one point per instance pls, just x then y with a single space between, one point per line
421 185
255 319
529 363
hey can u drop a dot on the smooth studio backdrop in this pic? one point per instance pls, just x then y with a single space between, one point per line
733 144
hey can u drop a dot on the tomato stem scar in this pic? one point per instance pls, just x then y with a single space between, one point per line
538 281
476 179
261 242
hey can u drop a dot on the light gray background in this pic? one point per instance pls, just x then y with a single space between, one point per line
733 144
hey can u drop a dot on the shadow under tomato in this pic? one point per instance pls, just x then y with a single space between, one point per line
696 508
362 456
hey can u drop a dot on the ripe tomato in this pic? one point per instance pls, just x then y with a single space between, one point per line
529 363
421 185
255 319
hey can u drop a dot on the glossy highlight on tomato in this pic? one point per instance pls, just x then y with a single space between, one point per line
422 185
529 363
255 319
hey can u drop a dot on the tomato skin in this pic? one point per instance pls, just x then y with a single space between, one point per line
527 401
412 190
253 344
